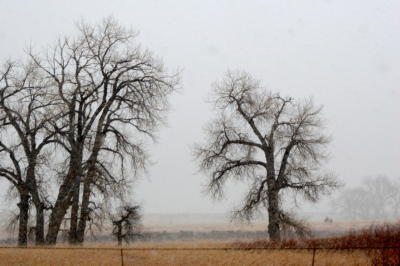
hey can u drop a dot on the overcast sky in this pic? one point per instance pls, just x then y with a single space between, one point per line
345 54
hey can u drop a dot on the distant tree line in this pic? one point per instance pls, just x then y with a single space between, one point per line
377 198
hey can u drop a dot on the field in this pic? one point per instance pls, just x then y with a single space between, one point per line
376 245
189 256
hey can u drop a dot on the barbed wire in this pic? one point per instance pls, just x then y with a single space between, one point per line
121 250
201 249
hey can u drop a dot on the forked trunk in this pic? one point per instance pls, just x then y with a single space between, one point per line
64 198
57 215
84 216
84 212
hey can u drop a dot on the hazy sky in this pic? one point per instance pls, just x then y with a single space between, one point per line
343 53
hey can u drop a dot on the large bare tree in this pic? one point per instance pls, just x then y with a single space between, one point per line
113 95
275 142
25 115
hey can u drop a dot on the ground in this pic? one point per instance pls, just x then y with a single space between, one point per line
194 253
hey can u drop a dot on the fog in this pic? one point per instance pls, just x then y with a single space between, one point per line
344 54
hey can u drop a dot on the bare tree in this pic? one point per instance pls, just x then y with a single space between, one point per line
113 95
127 224
24 117
277 143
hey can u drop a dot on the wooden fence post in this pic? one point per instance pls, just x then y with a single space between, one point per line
313 256
122 257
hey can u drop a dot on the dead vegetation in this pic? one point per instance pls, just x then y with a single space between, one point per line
328 251
384 241
192 254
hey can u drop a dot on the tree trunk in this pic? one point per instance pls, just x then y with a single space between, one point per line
84 211
57 215
273 198
39 206
89 179
39 231
273 216
64 198
73 234
23 206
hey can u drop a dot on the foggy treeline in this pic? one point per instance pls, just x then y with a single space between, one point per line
377 198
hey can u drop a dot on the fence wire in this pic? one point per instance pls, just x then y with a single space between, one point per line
227 249
202 249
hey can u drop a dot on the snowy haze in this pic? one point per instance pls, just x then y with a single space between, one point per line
345 54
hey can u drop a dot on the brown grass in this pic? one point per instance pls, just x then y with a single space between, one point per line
378 236
183 257
383 241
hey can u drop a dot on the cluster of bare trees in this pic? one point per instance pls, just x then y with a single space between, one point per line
74 121
377 198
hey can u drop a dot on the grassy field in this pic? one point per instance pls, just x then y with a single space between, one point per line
179 257
336 252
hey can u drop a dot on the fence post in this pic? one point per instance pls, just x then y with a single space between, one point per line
122 257
313 257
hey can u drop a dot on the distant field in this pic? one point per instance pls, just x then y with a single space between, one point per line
196 253
179 257
210 231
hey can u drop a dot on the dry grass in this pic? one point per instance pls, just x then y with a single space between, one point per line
179 257
381 236
259 257
385 237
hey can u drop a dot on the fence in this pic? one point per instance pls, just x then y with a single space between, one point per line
227 249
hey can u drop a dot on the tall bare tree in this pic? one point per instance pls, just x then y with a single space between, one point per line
25 114
113 95
277 143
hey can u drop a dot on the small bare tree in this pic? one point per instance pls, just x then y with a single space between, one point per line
275 142
127 224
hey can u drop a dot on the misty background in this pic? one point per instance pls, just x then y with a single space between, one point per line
344 54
